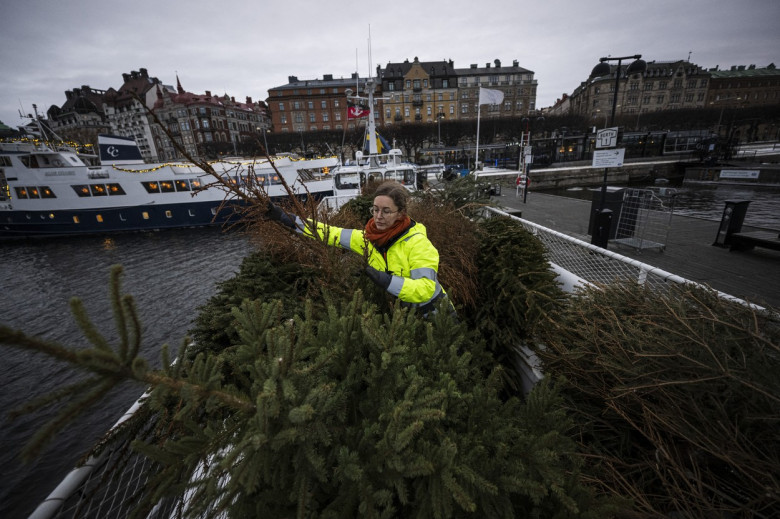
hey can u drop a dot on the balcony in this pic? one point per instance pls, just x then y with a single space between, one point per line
417 102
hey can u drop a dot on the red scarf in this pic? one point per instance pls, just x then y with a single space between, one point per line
379 238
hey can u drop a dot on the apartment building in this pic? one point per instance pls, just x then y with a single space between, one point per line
418 92
201 121
315 104
744 86
517 84
664 85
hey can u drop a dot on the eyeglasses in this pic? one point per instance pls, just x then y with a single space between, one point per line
384 212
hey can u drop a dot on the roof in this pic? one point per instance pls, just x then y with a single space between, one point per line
742 71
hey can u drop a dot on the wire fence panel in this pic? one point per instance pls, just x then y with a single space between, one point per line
645 218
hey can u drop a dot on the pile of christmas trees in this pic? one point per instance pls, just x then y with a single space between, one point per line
308 393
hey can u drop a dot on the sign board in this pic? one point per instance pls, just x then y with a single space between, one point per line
608 158
529 150
606 138
739 173
529 159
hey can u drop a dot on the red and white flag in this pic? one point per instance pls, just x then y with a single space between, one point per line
356 112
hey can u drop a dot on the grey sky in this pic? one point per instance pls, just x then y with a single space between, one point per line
243 48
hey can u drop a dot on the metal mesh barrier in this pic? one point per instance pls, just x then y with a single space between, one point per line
645 218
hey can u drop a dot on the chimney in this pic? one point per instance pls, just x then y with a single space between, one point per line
473 65
248 100
497 62
327 77
208 93
292 79
515 63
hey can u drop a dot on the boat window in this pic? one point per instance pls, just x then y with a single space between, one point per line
168 214
166 186
99 218
21 192
151 187
182 185
195 183
115 189
98 189
81 190
75 219
46 192
33 192
5 161
347 180
145 215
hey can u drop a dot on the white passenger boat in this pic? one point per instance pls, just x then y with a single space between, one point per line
51 190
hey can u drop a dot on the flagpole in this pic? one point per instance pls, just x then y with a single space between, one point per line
476 153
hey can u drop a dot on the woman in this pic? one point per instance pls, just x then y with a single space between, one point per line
401 258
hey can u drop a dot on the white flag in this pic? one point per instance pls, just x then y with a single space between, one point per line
490 97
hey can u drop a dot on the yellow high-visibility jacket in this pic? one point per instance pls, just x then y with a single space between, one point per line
410 257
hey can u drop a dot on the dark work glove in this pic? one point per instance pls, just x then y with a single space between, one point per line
274 212
382 279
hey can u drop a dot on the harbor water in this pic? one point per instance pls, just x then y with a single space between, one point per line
170 274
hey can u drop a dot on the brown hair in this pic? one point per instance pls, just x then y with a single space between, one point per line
395 191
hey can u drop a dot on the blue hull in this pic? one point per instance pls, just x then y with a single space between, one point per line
28 224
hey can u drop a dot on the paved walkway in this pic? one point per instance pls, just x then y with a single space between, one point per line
751 275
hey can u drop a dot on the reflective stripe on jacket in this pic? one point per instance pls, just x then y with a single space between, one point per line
410 257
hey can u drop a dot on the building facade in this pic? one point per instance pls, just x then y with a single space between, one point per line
517 84
418 92
663 86
744 86
205 124
312 105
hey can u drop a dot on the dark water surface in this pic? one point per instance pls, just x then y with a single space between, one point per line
170 274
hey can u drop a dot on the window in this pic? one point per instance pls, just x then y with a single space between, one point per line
310 104
445 83
114 189
284 118
81 190
182 185
324 104
281 107
425 83
312 118
168 214
21 192
166 186
98 190
144 215
408 83
151 187
46 192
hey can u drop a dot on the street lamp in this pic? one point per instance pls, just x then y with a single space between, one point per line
603 220
439 117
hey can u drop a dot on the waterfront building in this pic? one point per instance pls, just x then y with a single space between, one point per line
517 84
742 86
314 104
414 92
81 118
664 85
125 110
206 125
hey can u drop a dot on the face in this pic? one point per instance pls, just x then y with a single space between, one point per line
385 212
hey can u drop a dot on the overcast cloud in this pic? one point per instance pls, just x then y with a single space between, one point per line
243 48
